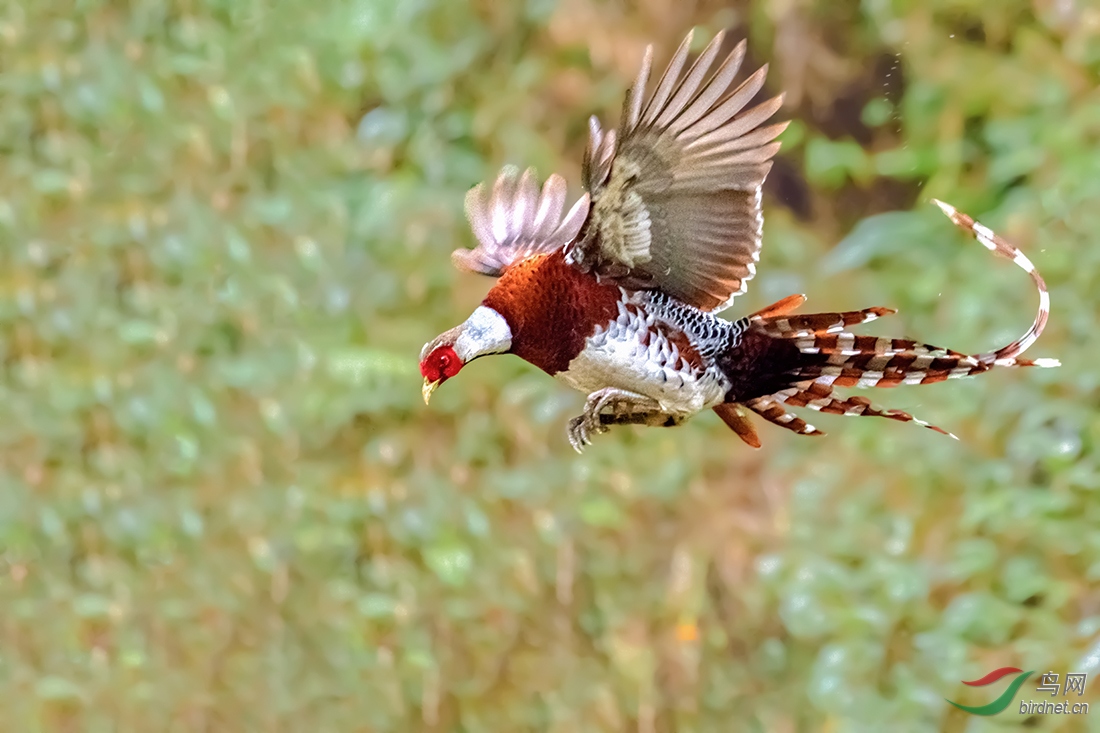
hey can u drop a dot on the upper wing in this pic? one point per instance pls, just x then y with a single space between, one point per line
517 221
676 192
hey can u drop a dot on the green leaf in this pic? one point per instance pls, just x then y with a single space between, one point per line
878 236
830 163
53 688
601 511
452 563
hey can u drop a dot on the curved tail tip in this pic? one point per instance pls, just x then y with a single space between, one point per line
948 209
1046 363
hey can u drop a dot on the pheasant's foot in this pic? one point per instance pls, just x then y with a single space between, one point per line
580 432
624 407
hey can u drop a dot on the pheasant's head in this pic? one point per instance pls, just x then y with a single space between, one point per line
484 332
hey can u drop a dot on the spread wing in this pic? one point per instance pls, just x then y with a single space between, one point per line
517 221
676 191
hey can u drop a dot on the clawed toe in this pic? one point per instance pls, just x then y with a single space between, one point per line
622 406
582 428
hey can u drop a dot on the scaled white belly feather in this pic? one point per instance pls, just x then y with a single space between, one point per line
615 356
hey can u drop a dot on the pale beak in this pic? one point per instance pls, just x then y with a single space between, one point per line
429 387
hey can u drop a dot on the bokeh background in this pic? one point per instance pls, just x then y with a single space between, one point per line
225 229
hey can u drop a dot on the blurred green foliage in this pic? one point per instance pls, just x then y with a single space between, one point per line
225 231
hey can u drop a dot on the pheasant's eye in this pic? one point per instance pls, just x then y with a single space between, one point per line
444 361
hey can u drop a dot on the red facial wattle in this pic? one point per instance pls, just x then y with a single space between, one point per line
438 367
443 363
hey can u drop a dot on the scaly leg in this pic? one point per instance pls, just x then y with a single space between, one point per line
624 407
652 419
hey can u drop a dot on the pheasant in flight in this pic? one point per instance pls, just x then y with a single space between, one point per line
617 297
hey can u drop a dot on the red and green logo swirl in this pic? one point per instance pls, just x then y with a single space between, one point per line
1006 697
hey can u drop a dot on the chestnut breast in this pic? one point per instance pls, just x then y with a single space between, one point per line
551 308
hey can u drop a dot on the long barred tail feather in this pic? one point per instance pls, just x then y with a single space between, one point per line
828 356
987 238
779 308
797 327
846 360
769 409
819 396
